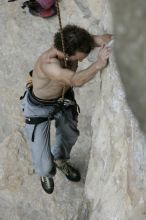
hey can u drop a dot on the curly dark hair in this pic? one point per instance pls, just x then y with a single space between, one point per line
75 39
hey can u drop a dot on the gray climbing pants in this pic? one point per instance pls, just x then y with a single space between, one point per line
43 155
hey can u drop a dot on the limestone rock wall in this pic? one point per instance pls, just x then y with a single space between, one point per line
110 152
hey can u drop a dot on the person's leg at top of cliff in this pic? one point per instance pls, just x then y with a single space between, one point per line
42 102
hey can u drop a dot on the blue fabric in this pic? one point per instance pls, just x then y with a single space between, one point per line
66 135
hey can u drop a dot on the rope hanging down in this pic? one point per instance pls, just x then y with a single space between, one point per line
61 32
62 41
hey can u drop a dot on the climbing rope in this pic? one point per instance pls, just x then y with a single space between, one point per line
62 41
61 32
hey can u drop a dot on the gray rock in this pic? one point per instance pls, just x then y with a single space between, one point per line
110 152
83 6
130 51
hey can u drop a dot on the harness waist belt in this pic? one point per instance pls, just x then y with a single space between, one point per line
59 101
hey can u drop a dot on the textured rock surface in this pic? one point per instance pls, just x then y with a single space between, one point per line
130 49
116 179
115 185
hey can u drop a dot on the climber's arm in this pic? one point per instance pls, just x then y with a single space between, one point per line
55 72
101 40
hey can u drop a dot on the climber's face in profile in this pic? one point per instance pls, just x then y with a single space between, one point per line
78 56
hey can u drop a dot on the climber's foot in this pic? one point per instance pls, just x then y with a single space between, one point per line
71 173
47 184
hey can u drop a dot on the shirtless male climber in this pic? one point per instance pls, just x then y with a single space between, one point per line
42 101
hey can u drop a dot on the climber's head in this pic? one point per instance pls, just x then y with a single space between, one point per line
78 42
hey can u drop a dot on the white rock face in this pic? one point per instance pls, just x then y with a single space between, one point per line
111 149
115 186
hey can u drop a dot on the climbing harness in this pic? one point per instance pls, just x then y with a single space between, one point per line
57 104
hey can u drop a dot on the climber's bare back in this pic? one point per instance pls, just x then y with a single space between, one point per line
44 85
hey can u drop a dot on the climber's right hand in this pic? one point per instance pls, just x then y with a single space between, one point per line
103 56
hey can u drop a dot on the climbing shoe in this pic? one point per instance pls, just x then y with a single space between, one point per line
47 184
71 173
